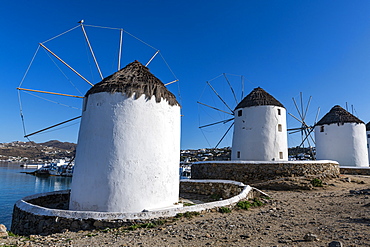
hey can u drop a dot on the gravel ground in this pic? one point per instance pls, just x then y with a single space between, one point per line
339 211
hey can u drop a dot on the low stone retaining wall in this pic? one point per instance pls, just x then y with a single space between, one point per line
47 213
224 189
355 170
255 171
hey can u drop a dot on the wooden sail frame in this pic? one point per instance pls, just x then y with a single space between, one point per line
39 91
42 44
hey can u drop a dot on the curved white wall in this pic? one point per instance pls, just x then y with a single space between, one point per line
257 136
127 156
343 143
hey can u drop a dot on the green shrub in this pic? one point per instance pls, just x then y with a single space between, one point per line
316 182
224 210
159 222
257 203
179 215
147 225
244 205
191 214
133 227
247 204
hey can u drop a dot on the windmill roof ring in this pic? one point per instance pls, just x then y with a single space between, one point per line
340 116
136 79
258 97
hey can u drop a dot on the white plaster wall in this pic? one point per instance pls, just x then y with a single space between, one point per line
368 144
256 134
127 156
345 143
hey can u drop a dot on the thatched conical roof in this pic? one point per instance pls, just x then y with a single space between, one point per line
368 126
134 79
338 115
258 97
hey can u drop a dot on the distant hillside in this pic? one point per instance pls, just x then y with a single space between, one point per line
61 145
21 151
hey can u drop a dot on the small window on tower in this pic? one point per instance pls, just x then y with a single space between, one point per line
279 111
240 113
322 129
238 154
281 155
280 128
368 135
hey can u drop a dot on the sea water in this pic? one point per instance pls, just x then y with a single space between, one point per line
14 185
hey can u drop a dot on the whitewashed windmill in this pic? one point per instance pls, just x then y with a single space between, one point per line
261 127
128 148
341 136
260 132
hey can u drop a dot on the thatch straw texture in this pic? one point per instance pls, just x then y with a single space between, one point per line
258 97
338 115
134 79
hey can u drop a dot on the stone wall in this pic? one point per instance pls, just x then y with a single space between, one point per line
222 189
47 213
251 172
355 171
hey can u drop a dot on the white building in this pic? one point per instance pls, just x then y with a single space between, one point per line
260 132
368 139
340 136
127 157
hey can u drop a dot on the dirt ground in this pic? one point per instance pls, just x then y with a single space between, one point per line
339 211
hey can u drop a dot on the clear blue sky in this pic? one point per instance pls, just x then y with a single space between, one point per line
320 48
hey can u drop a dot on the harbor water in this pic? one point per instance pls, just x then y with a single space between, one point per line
14 185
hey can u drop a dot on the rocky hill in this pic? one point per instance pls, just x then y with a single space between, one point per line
38 152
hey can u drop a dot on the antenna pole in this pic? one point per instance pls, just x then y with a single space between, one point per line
120 48
91 50
146 65
52 53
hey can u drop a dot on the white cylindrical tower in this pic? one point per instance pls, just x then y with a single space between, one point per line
340 136
127 157
368 139
260 132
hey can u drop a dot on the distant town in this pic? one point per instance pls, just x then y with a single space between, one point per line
31 152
